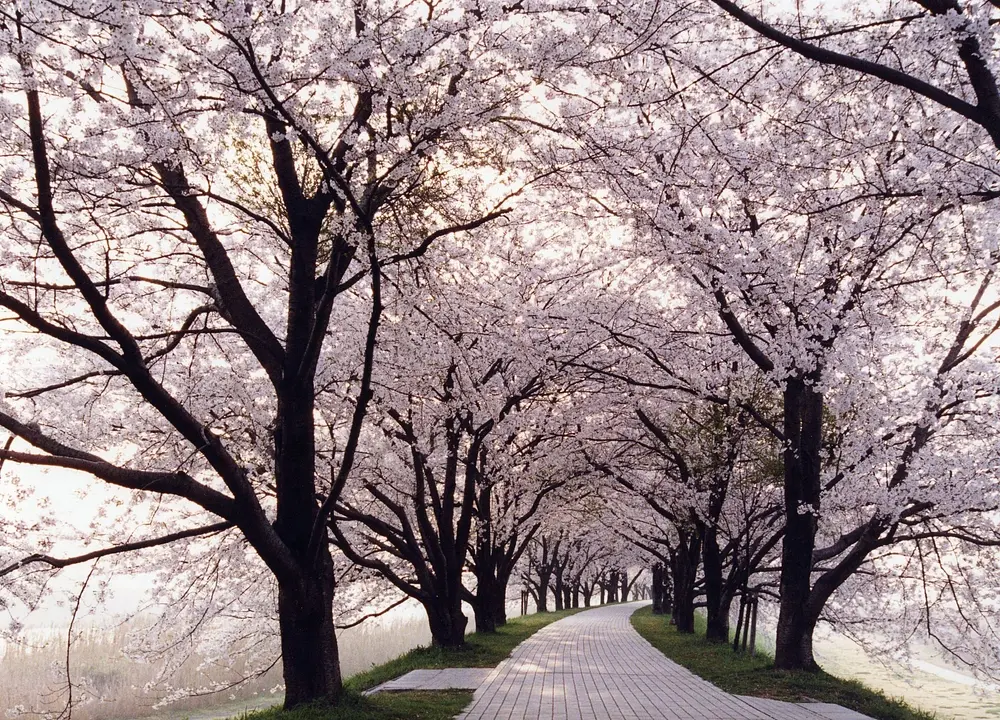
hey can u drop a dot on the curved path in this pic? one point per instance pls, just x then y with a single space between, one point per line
595 666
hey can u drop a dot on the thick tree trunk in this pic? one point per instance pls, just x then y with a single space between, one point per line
797 644
657 590
491 605
447 624
310 661
626 586
803 426
485 622
684 573
499 606
717 602
558 589
542 600
483 608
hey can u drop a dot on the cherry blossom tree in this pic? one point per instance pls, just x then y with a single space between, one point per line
475 442
200 203
812 244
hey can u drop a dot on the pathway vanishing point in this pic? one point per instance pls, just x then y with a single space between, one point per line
595 666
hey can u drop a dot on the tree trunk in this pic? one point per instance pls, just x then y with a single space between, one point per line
717 603
558 590
310 661
484 606
542 601
491 605
499 606
657 590
447 624
685 571
803 425
797 644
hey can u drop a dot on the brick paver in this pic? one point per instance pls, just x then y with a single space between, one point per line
595 666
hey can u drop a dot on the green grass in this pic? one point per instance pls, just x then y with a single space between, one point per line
438 705
481 650
744 675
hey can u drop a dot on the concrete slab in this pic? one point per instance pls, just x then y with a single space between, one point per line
829 711
781 710
443 679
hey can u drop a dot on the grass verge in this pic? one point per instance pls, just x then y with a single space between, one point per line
744 675
437 705
481 650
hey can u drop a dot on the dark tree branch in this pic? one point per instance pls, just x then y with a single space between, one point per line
117 549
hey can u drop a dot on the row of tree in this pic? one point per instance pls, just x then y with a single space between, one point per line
440 297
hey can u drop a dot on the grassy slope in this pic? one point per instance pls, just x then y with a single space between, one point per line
743 675
481 650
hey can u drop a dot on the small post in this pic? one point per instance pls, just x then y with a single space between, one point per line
746 623
739 622
524 602
753 625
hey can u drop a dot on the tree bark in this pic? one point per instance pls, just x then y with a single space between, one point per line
558 589
796 633
684 573
448 623
717 600
491 604
309 656
542 600
803 423
483 607
657 590
310 660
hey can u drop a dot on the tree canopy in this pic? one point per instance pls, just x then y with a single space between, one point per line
446 297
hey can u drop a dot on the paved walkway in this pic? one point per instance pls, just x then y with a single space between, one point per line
595 666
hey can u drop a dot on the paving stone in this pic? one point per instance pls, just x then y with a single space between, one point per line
595 666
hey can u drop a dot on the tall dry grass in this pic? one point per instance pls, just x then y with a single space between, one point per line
110 685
